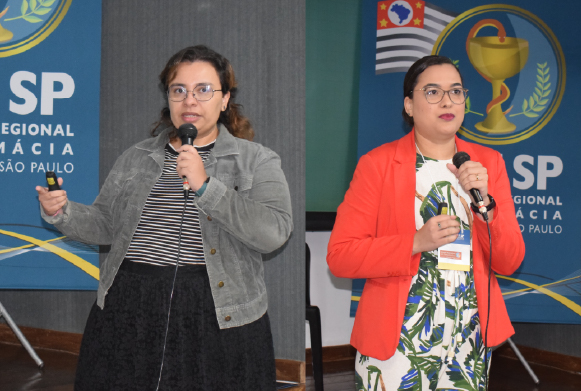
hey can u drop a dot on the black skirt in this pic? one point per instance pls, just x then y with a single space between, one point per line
123 344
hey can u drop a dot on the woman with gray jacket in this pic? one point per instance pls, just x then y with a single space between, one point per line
181 303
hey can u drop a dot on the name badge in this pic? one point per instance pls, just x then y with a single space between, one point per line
456 255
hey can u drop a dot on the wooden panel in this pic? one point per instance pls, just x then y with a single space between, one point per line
44 339
336 359
290 370
542 357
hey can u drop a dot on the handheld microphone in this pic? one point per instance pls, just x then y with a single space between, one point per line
458 159
188 133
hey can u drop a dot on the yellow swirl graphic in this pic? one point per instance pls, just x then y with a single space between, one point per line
85 266
541 288
9 250
560 298
544 285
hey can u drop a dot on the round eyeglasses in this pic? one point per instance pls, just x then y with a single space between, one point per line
201 93
435 94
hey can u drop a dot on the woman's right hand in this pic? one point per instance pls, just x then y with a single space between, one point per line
436 232
52 201
190 165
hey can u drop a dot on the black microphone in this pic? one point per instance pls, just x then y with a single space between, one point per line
459 159
188 133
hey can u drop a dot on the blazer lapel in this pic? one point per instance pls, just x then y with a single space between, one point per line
404 183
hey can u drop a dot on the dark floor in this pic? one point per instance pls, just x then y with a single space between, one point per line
18 372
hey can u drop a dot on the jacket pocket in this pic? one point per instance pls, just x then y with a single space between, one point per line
240 183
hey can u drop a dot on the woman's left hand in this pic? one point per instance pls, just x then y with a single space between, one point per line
190 165
472 175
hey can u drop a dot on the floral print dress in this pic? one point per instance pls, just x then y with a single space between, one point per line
441 346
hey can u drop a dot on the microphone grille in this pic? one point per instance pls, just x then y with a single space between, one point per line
459 158
187 131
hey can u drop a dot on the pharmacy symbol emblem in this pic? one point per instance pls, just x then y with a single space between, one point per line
515 62
26 23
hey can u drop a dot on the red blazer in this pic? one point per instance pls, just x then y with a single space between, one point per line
373 238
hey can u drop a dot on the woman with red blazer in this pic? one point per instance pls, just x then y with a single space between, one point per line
408 225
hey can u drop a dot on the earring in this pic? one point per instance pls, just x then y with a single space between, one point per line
224 108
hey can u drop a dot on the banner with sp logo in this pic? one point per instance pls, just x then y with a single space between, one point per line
50 55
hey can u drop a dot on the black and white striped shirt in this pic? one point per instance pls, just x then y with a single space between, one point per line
156 239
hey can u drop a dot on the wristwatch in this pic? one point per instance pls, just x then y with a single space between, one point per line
489 207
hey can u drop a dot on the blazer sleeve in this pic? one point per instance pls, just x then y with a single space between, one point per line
508 247
355 249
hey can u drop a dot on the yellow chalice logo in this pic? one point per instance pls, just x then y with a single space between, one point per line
5 35
496 59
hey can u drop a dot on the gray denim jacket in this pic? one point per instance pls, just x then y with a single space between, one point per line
245 211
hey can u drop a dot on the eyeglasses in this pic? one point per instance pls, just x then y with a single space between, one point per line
436 94
201 93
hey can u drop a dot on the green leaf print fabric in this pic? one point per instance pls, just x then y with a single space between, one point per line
440 346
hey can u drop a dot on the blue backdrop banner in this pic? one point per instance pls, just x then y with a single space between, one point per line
50 56
521 63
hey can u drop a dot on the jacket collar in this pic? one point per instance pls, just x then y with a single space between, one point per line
406 148
465 146
155 144
225 143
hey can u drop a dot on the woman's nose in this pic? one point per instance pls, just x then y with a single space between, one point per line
190 98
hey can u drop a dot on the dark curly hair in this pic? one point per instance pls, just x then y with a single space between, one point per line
410 80
237 124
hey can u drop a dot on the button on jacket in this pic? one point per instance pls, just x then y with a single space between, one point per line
245 211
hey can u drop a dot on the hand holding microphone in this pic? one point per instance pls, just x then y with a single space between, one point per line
189 164
473 177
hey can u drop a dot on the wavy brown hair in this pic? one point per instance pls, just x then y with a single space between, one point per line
232 118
